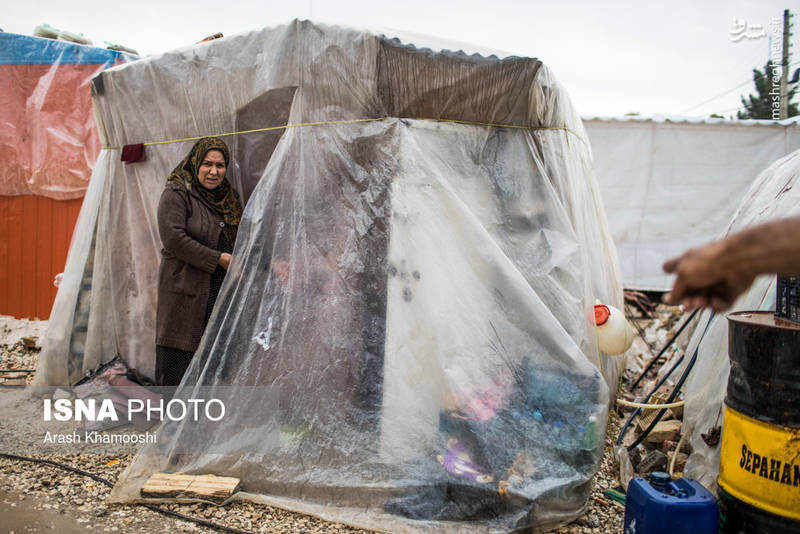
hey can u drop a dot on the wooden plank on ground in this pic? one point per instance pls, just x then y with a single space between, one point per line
209 487
212 487
166 485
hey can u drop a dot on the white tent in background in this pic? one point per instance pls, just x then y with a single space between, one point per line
432 364
671 183
774 194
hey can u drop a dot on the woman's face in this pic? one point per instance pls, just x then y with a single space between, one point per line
212 169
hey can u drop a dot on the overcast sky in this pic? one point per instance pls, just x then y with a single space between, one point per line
613 57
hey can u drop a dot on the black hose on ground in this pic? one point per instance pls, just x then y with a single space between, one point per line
671 397
637 411
666 346
108 483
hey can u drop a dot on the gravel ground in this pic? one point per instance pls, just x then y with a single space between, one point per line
38 497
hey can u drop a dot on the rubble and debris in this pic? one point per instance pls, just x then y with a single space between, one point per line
654 461
640 301
17 363
712 436
642 384
680 461
669 446
663 431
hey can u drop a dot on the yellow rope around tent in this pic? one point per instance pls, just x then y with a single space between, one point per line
353 121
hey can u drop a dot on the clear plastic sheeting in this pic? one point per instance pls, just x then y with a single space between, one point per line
49 139
404 339
774 195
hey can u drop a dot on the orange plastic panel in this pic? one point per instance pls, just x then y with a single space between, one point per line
35 234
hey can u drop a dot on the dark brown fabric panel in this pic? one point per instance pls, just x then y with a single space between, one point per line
253 151
417 83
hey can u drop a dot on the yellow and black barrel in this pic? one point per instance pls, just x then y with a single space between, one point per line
759 475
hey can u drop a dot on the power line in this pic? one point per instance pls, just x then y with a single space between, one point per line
750 80
726 110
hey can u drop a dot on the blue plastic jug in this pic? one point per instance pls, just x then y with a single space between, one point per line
665 506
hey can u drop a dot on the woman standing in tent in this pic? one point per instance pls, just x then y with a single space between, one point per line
198 216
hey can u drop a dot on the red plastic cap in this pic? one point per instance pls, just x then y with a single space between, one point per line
601 314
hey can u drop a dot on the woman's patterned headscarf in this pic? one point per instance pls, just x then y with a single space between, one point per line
222 198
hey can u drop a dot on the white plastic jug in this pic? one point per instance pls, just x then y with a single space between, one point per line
614 333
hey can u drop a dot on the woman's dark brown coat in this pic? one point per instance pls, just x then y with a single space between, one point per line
190 231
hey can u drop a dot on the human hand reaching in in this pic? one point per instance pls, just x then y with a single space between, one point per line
715 274
704 280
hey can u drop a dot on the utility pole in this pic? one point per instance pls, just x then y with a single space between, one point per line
785 63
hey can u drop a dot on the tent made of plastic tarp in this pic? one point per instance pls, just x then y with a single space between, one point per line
672 183
775 194
49 139
430 362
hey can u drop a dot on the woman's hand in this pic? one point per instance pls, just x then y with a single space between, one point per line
224 260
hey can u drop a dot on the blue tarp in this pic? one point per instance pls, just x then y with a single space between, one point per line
18 49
